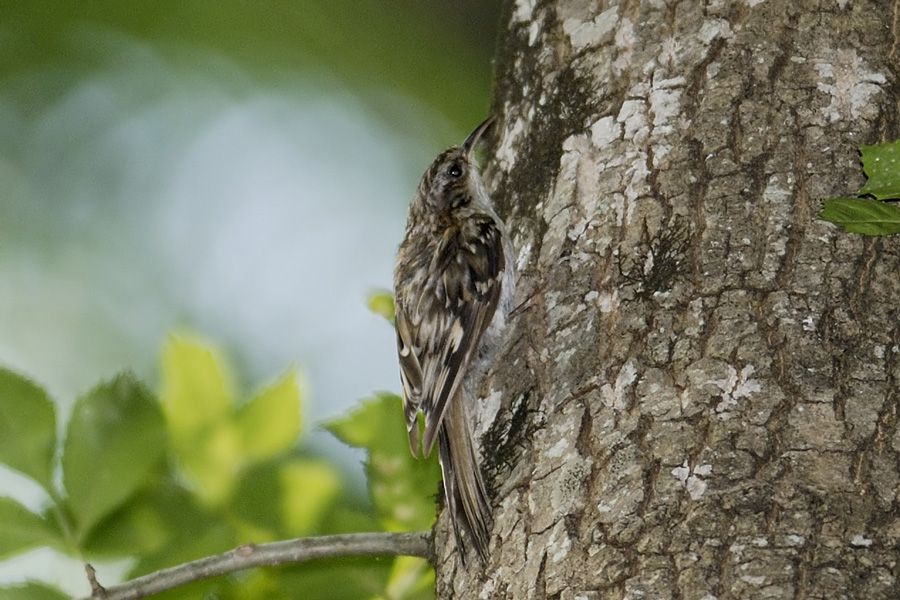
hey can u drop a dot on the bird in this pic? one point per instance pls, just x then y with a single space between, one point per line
454 283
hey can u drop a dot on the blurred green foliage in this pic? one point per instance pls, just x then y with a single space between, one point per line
394 482
27 428
31 591
381 302
194 471
196 467
438 52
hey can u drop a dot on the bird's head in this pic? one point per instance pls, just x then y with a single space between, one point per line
452 181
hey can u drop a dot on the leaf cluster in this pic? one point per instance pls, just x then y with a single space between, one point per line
195 469
875 210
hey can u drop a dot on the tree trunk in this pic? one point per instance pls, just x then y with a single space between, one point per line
700 395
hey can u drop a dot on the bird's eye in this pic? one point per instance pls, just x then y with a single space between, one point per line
454 171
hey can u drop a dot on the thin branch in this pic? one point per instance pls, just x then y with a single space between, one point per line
97 590
276 553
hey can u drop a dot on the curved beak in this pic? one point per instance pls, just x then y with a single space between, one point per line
469 145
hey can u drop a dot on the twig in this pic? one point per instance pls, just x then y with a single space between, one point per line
97 590
275 553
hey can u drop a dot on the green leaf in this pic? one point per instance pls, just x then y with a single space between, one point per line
149 521
349 519
255 585
193 543
287 499
198 401
270 423
27 428
185 529
381 303
360 428
196 386
214 460
215 441
309 490
115 437
256 502
857 215
401 486
32 591
411 579
22 529
345 577
881 164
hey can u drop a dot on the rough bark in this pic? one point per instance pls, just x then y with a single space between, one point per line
700 397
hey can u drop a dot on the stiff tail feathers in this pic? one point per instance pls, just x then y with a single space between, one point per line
466 496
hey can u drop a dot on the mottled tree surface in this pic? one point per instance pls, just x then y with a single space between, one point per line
700 397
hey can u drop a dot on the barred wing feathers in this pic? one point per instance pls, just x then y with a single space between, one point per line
440 325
